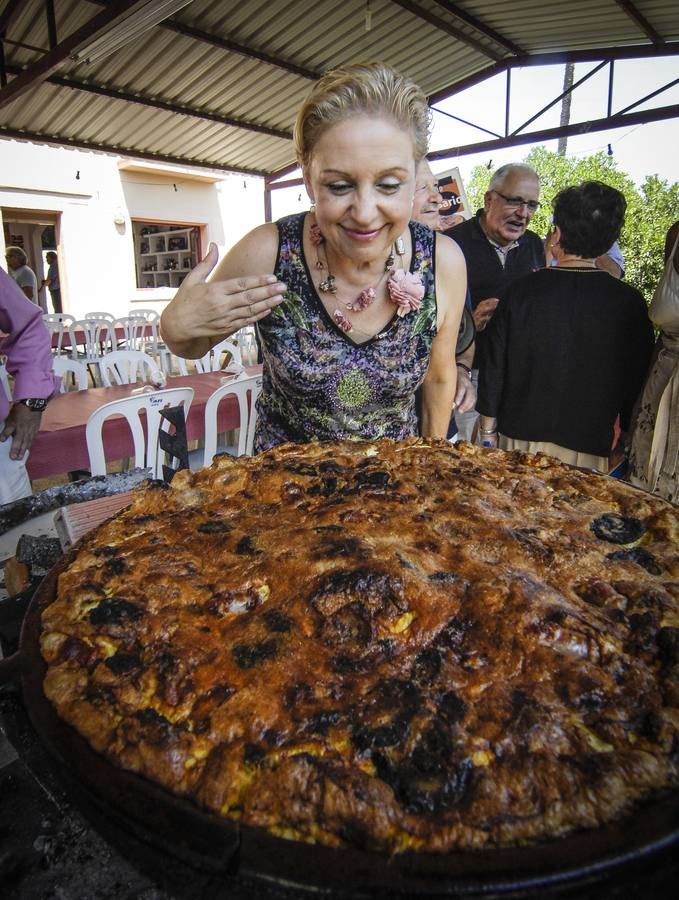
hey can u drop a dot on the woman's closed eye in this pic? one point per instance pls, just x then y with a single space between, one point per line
339 187
344 187
389 187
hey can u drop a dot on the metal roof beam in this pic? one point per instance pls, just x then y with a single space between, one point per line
650 96
123 151
479 26
8 14
275 185
279 173
548 134
464 121
457 33
36 73
172 24
636 51
155 103
242 49
641 21
560 97
51 24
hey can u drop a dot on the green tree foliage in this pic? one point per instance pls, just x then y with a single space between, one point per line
651 208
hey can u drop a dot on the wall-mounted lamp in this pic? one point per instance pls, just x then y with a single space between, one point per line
118 217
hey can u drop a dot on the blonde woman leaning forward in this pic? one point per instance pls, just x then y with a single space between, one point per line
356 306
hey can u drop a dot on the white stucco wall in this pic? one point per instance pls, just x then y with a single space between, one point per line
88 190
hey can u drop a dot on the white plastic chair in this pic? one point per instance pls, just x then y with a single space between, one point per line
151 315
103 316
133 328
128 366
246 390
147 450
98 337
59 324
246 339
214 360
63 366
152 343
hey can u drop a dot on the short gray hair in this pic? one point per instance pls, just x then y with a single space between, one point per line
501 174
17 251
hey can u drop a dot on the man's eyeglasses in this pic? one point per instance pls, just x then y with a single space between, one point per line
516 202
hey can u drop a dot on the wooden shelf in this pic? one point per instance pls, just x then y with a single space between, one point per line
152 249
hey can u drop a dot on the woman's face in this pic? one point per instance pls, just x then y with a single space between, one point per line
361 178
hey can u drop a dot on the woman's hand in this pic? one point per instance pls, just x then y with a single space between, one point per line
484 311
203 312
465 394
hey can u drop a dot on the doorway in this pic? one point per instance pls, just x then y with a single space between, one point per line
37 233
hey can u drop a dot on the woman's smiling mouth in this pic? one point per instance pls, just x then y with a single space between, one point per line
361 235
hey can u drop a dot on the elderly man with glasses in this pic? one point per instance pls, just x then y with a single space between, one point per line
498 249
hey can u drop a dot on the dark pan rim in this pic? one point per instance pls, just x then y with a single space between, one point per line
211 843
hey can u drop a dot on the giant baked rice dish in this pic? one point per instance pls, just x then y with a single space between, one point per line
396 646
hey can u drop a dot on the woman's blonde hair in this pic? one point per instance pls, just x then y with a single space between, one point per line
372 88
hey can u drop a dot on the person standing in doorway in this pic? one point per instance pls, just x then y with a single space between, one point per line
52 280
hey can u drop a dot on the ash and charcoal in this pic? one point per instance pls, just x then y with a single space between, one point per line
13 514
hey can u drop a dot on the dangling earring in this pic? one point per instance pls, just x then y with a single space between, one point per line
400 246
317 239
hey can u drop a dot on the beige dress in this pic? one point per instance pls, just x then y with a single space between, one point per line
572 457
654 452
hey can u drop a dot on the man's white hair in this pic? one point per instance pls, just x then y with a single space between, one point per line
501 174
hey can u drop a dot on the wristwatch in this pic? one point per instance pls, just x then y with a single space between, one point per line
37 404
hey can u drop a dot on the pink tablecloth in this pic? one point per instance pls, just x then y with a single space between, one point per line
60 444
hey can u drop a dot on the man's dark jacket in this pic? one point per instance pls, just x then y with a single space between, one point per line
486 276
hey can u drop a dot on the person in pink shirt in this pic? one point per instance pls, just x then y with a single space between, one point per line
25 343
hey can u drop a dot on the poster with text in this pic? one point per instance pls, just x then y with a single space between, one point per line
455 206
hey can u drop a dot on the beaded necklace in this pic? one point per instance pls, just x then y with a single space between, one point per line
405 290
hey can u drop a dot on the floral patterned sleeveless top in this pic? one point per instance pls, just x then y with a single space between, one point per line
318 383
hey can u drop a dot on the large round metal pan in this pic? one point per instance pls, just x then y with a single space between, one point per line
209 843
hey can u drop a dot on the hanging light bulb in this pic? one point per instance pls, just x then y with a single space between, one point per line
368 16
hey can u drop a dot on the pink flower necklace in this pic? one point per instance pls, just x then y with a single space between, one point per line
405 290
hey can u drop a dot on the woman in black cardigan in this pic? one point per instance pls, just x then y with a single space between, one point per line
569 346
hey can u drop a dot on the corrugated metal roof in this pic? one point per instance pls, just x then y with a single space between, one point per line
219 83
